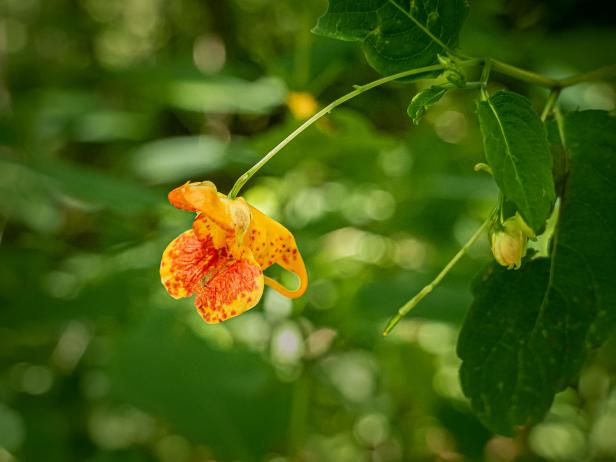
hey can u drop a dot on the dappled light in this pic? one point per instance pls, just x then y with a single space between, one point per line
212 211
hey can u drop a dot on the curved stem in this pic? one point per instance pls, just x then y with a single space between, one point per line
241 181
485 76
561 156
560 123
549 104
607 72
489 63
603 73
412 303
524 75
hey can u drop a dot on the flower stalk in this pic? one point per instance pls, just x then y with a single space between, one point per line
413 302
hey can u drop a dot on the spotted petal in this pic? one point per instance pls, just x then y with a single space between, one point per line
232 291
188 260
206 229
271 243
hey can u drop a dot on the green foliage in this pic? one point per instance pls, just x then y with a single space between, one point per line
95 188
516 148
588 227
528 331
105 106
422 101
397 35
224 394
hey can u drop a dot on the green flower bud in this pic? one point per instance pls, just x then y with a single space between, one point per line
509 243
456 77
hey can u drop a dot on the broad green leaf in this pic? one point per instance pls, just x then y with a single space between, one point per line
423 100
529 331
390 31
591 140
516 147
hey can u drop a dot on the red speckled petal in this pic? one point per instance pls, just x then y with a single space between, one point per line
234 290
187 261
207 230
271 243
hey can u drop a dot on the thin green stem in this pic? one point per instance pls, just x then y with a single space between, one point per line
549 104
524 75
467 86
560 123
489 64
412 303
424 29
561 156
603 73
241 181
485 76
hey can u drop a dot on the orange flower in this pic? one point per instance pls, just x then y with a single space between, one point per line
222 258
302 104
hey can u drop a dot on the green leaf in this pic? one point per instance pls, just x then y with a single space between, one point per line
397 35
423 100
516 147
529 331
591 140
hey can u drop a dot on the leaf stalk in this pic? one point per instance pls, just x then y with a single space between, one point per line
549 104
412 303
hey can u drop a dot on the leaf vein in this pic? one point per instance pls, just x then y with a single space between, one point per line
510 155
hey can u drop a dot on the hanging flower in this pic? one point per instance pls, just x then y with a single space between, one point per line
222 258
509 243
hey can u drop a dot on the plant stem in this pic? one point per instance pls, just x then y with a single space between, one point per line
489 63
603 73
549 104
560 123
522 74
412 303
485 75
606 72
241 181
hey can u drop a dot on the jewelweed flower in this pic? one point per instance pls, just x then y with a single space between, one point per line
222 258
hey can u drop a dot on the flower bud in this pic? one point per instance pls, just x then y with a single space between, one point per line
456 77
509 243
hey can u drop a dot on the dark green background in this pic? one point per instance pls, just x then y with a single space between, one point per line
105 105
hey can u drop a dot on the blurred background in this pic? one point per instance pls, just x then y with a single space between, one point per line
106 105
